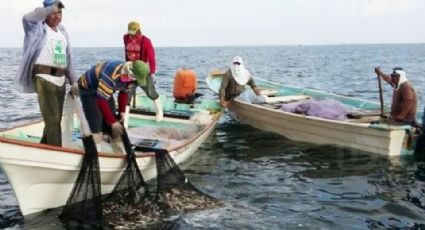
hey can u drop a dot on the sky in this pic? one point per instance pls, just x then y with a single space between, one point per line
176 23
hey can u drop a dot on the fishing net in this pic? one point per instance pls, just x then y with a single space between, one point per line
84 206
329 109
130 204
174 191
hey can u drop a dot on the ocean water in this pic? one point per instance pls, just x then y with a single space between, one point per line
266 180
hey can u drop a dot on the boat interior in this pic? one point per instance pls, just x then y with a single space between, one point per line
143 130
182 122
360 111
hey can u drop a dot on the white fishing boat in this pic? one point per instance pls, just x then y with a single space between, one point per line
42 176
364 130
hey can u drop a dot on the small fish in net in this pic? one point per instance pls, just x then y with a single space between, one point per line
130 204
174 191
131 216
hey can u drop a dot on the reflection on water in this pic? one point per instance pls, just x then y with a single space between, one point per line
274 183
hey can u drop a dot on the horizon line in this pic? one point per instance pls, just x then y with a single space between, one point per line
233 46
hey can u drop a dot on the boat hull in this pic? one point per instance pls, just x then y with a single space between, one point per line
388 141
42 176
381 138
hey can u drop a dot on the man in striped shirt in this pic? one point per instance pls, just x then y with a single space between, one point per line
97 86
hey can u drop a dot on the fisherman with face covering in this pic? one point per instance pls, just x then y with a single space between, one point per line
404 103
233 82
46 65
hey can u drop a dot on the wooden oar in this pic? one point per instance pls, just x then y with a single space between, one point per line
381 99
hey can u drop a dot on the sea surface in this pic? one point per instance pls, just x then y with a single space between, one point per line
266 180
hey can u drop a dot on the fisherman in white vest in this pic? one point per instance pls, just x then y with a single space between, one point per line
46 65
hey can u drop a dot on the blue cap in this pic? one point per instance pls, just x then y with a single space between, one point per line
47 3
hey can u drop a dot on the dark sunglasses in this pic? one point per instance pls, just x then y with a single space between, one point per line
236 63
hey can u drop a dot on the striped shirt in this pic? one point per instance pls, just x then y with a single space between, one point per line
104 78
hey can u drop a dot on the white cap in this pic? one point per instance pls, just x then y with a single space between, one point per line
237 59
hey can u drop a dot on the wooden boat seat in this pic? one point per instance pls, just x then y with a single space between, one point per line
146 145
364 113
186 115
22 137
286 99
367 119
268 92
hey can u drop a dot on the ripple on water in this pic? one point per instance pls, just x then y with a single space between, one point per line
267 181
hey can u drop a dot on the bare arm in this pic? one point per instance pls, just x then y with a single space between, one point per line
384 76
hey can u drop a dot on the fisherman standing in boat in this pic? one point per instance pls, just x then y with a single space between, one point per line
139 47
233 82
46 64
404 103
97 86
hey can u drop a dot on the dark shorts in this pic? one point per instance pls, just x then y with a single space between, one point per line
149 89
91 110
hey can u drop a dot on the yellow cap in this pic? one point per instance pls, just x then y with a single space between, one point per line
133 27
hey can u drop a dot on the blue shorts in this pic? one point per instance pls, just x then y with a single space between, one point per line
91 110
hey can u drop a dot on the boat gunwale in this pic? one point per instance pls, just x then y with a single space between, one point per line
306 117
317 91
103 155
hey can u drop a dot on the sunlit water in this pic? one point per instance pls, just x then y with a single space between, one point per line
265 180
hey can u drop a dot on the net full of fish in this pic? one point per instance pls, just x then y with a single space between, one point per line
181 199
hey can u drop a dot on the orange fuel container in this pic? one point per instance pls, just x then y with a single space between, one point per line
185 84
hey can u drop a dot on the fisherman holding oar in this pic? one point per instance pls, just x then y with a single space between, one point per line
97 86
404 103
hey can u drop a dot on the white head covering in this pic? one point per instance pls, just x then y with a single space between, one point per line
402 79
239 73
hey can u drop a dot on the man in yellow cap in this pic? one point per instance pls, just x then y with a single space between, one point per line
139 47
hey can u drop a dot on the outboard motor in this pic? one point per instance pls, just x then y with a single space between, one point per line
185 86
